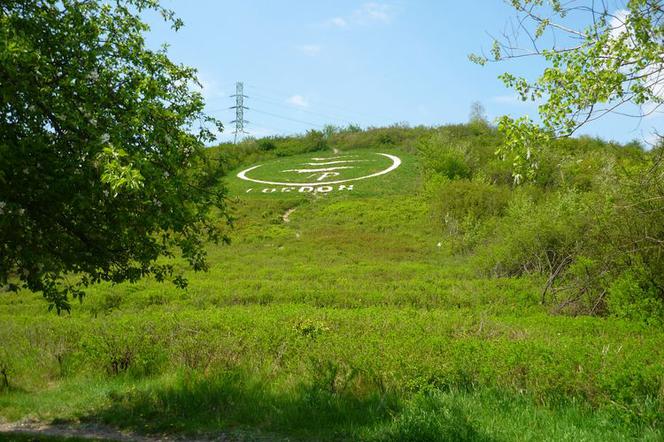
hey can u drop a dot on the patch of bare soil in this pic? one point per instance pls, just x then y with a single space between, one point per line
98 432
287 214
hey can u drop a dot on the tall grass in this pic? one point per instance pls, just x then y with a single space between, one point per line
408 309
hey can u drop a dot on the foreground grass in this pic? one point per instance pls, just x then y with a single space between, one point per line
351 321
198 405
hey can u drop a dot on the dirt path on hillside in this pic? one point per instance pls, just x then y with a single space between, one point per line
287 214
101 432
86 431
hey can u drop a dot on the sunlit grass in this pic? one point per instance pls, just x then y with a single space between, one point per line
354 320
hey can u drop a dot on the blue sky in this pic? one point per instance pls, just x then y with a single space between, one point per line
309 63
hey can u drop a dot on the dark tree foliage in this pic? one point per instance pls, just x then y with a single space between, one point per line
102 163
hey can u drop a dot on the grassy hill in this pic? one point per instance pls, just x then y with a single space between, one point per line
406 308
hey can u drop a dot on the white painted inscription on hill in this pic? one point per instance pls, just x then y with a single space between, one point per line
304 189
321 174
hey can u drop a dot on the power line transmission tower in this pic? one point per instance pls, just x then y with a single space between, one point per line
239 110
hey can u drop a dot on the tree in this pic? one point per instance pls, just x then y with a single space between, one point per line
614 64
103 169
477 113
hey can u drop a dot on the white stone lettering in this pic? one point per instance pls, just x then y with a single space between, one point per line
327 163
325 175
333 158
306 189
324 169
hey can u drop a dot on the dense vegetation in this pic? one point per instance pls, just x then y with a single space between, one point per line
102 150
439 302
590 220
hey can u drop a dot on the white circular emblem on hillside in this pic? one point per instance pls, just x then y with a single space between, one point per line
323 169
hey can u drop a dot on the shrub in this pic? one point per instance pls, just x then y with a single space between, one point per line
310 328
266 144
443 157
632 295
6 370
123 346
430 417
111 301
476 199
600 245
537 237
397 135
56 343
464 208
197 347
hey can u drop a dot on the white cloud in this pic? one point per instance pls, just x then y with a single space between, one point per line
309 50
339 22
368 13
298 100
374 12
210 88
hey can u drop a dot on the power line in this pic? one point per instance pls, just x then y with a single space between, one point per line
216 111
239 108
349 114
267 113
276 95
286 118
296 108
268 128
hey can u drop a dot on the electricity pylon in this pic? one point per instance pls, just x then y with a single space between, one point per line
239 110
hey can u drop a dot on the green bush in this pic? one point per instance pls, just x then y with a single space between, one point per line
538 237
444 156
6 369
123 346
266 144
397 135
632 295
598 239
476 199
466 209
428 417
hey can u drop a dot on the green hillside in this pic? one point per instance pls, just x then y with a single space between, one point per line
360 304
